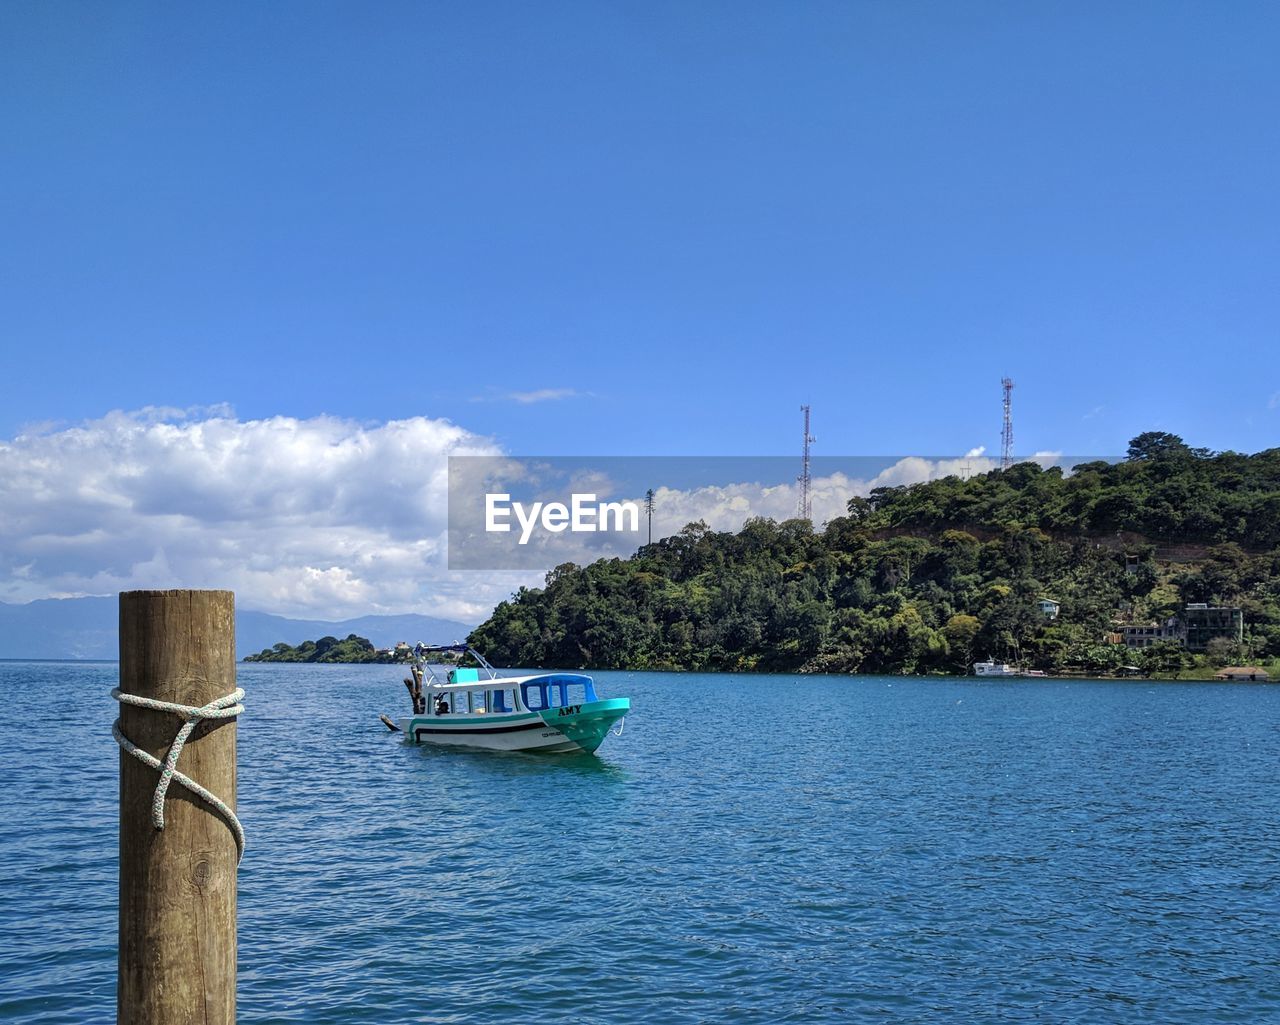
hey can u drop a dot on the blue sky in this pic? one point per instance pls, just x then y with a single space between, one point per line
663 225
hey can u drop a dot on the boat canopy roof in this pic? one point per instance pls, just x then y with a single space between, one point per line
421 651
459 678
504 682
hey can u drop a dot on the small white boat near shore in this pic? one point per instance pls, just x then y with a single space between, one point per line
993 668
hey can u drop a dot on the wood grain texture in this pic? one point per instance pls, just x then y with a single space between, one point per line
177 930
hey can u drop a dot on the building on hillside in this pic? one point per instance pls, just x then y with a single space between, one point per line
1049 608
1205 623
1144 635
1253 673
1193 628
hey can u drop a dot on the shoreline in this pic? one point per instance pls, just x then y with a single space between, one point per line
1182 677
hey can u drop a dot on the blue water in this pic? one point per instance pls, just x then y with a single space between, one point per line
752 849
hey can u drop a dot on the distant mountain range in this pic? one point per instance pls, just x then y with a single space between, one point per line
86 628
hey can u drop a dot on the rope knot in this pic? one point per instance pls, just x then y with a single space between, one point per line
226 707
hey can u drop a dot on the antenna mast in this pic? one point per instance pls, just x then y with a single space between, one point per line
1006 436
806 503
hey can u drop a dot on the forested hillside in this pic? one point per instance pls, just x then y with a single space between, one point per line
326 649
929 577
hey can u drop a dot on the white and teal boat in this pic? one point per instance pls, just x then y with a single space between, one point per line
460 706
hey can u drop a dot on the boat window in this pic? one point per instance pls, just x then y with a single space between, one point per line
561 693
477 701
535 696
503 700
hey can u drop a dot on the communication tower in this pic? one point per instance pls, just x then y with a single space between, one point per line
806 503
1006 436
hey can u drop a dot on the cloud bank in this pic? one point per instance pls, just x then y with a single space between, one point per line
728 507
317 517
322 517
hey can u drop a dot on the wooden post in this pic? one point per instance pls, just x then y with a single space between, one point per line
177 952
414 687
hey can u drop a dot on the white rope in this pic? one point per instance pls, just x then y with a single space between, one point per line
226 707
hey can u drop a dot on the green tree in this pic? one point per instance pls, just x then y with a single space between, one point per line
1156 445
961 631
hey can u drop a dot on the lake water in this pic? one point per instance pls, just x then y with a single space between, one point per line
752 849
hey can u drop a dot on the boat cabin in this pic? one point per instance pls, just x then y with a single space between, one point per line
466 694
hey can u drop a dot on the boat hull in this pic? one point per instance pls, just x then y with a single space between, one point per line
577 729
587 725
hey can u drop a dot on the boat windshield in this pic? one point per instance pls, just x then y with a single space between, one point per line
556 692
474 702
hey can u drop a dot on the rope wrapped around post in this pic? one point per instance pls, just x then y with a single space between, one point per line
226 707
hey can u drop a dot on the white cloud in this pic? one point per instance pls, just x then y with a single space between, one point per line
728 507
322 517
543 395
